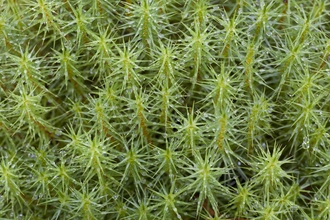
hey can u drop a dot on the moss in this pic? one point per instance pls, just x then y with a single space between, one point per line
153 109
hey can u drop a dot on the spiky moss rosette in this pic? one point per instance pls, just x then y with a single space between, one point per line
164 109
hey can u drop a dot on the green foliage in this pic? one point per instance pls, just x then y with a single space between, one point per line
164 109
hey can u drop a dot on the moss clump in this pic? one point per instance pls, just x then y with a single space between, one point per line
153 109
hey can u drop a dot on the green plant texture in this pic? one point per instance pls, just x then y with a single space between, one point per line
165 109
